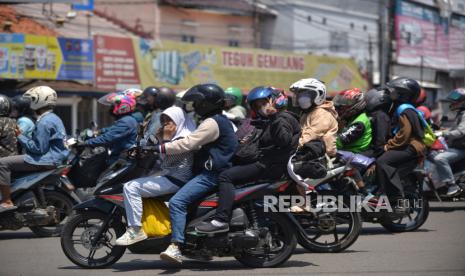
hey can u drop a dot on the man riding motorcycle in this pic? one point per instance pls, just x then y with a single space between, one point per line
216 143
378 103
406 148
45 150
121 135
277 140
155 100
455 140
356 135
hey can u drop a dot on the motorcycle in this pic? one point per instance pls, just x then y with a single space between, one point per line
414 207
326 230
42 203
256 238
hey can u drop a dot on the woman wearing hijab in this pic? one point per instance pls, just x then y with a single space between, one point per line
176 171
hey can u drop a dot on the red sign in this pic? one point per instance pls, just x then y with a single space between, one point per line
115 63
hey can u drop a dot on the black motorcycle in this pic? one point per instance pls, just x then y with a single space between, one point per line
256 238
42 203
406 214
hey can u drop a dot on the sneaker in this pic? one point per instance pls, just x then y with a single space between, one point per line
172 254
453 189
131 237
212 227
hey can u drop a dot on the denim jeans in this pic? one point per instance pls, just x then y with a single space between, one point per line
191 192
444 159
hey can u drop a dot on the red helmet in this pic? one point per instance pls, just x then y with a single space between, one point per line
349 103
422 98
426 112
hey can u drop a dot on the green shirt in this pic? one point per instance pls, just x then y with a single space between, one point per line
364 141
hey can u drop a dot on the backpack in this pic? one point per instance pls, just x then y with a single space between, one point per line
429 137
248 151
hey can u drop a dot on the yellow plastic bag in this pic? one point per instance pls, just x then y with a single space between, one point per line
155 218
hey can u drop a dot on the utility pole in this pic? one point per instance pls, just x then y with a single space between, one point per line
370 62
384 39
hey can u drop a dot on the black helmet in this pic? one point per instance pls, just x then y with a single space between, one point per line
151 90
377 99
208 99
22 105
404 90
5 105
165 98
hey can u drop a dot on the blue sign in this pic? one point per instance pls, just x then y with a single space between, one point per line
87 5
78 59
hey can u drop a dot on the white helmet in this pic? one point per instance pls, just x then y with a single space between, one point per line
309 92
41 96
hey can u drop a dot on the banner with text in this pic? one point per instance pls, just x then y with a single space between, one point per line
116 67
183 65
46 57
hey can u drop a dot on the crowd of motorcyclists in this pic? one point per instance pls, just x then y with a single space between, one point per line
207 141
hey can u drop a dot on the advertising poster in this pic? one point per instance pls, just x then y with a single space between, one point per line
42 57
182 65
115 63
11 56
78 59
421 32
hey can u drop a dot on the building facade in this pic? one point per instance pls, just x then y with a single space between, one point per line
330 27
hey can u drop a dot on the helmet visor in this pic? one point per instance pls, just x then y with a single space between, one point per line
108 99
454 96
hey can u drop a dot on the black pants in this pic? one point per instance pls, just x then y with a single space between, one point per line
392 166
226 181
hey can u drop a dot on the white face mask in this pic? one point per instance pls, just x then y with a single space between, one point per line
305 102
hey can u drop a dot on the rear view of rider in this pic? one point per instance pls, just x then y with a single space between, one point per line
319 118
24 115
356 135
279 136
8 144
215 142
455 140
45 150
378 104
403 151
121 135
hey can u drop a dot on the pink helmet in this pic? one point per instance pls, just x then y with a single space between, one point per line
122 104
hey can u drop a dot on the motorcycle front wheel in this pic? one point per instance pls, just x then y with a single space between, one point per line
77 236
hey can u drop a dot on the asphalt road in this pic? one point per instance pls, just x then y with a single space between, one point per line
438 248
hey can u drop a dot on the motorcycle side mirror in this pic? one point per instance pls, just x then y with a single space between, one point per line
89 133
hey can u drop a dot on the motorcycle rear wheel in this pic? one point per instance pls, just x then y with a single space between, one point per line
90 223
64 208
344 230
418 206
282 236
